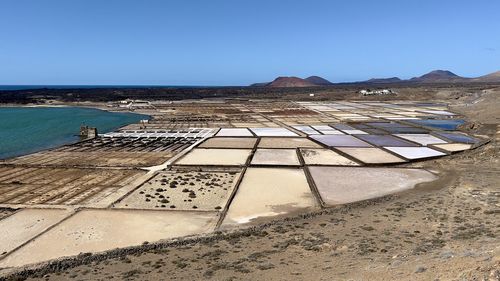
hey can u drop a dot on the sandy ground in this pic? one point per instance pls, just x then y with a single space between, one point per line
446 230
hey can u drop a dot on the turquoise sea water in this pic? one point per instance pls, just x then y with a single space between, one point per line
26 130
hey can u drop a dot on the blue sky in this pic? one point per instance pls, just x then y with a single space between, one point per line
236 42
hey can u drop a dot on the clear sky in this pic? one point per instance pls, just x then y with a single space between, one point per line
237 42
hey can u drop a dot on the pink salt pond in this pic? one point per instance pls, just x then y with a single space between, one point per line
340 185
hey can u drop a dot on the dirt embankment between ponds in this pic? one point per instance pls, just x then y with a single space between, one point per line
445 231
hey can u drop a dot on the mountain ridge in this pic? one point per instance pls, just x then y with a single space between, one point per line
492 77
438 76
293 81
435 76
290 81
317 80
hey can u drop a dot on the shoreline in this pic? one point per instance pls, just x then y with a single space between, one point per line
75 136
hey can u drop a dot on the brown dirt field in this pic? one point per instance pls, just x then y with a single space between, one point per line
55 186
447 230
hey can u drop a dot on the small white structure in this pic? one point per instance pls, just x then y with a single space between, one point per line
382 92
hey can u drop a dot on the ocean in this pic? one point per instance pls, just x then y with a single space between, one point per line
25 130
55 87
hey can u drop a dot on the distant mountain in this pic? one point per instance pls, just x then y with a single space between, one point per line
290 82
436 76
439 76
383 80
316 80
492 77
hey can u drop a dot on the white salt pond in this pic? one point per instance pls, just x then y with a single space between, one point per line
423 139
24 225
215 156
371 155
323 156
234 132
340 185
267 156
273 132
270 142
453 147
413 153
101 230
268 192
229 143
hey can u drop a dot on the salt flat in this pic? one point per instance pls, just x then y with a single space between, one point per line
340 185
269 192
100 230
